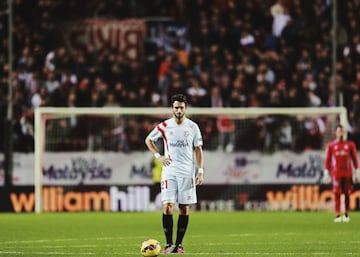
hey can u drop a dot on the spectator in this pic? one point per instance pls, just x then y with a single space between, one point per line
198 96
247 49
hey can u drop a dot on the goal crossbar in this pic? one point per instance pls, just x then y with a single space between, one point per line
192 110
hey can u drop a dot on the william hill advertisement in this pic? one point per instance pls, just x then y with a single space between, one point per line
117 182
147 198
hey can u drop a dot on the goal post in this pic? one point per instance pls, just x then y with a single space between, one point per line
44 114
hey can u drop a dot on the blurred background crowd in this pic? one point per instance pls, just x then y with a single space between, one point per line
248 53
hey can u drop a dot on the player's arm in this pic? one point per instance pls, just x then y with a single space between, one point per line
199 164
152 147
328 156
326 174
354 156
355 160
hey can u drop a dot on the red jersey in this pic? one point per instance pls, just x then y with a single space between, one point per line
340 155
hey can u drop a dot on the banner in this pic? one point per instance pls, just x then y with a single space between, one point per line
112 168
124 36
140 198
257 168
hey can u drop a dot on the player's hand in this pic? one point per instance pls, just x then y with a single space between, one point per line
199 179
357 175
326 177
166 161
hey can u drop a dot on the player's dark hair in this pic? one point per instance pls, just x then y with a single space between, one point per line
178 97
339 126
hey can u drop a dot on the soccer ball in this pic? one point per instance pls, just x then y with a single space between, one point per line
150 248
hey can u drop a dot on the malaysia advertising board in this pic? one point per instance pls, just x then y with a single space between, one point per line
256 168
84 168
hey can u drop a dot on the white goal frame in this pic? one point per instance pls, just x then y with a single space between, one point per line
42 112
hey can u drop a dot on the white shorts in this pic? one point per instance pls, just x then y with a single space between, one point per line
177 189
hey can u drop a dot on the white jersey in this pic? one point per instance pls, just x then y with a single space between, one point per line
179 143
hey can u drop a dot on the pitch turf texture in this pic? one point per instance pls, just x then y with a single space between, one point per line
209 234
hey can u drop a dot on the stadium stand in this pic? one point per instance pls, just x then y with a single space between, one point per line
265 53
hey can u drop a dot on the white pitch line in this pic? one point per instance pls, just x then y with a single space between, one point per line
68 246
134 245
266 253
124 238
188 254
70 239
59 253
281 243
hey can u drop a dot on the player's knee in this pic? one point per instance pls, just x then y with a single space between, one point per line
184 209
168 208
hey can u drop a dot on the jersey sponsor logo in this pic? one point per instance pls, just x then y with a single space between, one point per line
179 143
341 152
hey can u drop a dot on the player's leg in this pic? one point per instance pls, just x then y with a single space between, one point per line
346 217
167 222
347 189
186 196
337 206
168 197
337 199
182 224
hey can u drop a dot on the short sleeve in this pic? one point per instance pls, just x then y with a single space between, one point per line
198 141
155 134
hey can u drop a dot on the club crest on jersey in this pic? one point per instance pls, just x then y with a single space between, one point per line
186 133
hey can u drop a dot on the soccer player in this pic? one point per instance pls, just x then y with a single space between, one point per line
183 155
341 154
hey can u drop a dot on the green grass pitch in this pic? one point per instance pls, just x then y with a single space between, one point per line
209 234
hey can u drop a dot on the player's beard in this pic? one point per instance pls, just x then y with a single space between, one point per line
341 138
179 116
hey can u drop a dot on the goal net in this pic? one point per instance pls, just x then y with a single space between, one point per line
61 132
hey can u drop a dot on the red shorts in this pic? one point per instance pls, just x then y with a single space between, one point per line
342 185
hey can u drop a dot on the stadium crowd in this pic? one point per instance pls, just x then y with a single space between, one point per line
249 53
